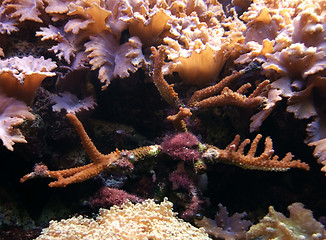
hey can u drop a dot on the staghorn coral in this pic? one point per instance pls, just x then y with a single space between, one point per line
100 162
147 220
12 113
299 225
232 154
204 98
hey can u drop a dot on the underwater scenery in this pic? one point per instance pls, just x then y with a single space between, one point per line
163 119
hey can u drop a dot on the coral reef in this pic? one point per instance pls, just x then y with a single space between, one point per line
164 96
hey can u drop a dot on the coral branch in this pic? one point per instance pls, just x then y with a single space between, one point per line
166 90
178 119
100 162
234 154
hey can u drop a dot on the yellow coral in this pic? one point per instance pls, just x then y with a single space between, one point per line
146 220
300 225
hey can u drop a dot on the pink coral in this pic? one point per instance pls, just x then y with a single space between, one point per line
182 146
183 180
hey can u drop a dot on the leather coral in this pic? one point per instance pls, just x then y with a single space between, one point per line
21 77
12 113
288 39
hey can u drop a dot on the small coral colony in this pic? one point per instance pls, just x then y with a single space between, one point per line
250 60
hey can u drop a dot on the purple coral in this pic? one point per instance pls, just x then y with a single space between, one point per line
182 180
107 197
225 227
182 146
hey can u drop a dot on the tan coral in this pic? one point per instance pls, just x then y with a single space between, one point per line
146 220
88 15
299 225
12 113
198 49
112 59
21 77
148 27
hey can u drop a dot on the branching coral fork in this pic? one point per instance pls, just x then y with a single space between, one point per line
100 162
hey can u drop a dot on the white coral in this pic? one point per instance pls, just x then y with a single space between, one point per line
71 103
12 113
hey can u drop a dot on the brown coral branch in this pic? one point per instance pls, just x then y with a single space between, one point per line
234 154
212 90
229 97
166 90
100 162
178 119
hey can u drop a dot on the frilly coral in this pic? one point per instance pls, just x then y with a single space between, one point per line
7 25
68 45
147 220
288 38
198 45
88 15
71 103
225 227
12 113
299 225
112 59
25 9
21 77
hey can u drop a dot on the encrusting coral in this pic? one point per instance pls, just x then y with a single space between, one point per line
146 220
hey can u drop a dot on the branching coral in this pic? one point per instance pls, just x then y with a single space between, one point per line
205 97
12 113
197 41
233 154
